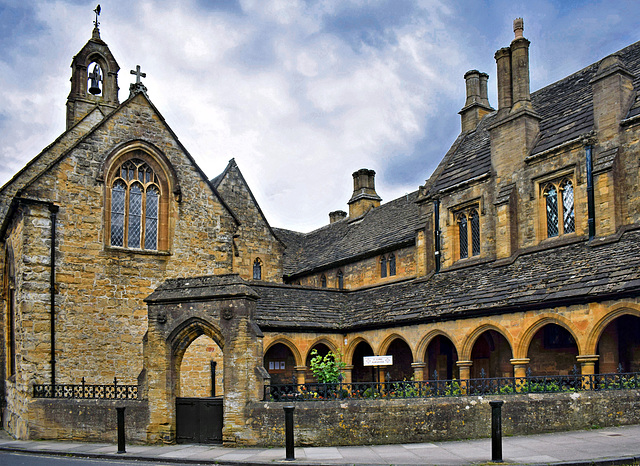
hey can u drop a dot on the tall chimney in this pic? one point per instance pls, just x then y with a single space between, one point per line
520 67
505 92
477 103
364 196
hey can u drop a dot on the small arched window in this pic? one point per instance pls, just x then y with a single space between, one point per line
392 264
474 220
257 269
323 281
559 208
340 280
135 198
383 267
568 214
551 196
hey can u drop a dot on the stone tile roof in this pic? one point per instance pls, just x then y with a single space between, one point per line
386 227
577 272
566 109
284 306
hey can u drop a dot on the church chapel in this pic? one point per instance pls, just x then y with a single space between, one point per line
126 269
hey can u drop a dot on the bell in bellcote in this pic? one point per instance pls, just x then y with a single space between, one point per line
95 76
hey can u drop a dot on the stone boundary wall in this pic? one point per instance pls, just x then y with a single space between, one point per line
87 420
363 422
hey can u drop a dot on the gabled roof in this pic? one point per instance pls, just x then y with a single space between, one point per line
390 226
96 127
566 111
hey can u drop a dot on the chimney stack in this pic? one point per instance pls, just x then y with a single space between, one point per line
520 67
364 196
477 103
336 216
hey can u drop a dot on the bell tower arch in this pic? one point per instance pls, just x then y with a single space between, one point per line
94 80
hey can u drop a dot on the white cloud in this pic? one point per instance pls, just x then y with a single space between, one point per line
300 93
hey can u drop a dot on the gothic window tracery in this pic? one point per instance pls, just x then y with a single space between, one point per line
135 199
468 232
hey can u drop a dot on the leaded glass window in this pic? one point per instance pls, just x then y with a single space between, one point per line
568 214
383 267
463 236
551 196
474 219
135 206
392 265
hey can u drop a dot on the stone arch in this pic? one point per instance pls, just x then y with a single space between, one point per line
615 311
185 334
384 346
426 340
522 347
322 341
348 354
470 339
289 344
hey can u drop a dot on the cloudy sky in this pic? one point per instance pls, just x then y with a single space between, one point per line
300 93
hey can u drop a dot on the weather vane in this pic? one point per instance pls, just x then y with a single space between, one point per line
97 12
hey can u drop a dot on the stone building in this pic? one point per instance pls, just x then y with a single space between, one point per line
122 259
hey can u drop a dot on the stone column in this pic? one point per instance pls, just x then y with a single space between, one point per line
418 371
465 374
347 373
301 374
587 369
520 371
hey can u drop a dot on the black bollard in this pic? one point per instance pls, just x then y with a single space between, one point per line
288 432
120 412
496 431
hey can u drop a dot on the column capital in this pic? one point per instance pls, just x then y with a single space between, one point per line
587 358
300 368
348 367
520 361
464 363
418 365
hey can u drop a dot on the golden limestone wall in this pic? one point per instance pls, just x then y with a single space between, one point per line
195 369
101 318
255 239
366 272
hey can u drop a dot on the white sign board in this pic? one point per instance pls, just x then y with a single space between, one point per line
377 360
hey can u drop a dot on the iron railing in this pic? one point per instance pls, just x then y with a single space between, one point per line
114 391
448 388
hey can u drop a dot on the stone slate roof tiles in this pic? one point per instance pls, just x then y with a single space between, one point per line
390 225
577 272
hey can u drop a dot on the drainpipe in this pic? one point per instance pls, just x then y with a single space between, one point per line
590 199
436 230
53 209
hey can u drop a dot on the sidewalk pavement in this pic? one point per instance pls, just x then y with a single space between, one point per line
609 446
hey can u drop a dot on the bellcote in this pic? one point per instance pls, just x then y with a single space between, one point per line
94 79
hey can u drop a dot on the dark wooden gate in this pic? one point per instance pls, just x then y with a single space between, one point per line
199 420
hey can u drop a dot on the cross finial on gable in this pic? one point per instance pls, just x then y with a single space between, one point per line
138 74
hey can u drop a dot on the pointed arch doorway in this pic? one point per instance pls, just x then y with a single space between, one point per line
180 311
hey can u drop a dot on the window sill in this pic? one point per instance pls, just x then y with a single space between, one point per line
141 252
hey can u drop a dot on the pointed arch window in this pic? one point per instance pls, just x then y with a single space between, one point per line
257 269
383 267
387 266
559 208
323 281
135 206
340 280
468 222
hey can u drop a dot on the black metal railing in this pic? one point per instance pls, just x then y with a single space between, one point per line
114 391
572 382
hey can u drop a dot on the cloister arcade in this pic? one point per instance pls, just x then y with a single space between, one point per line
602 340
